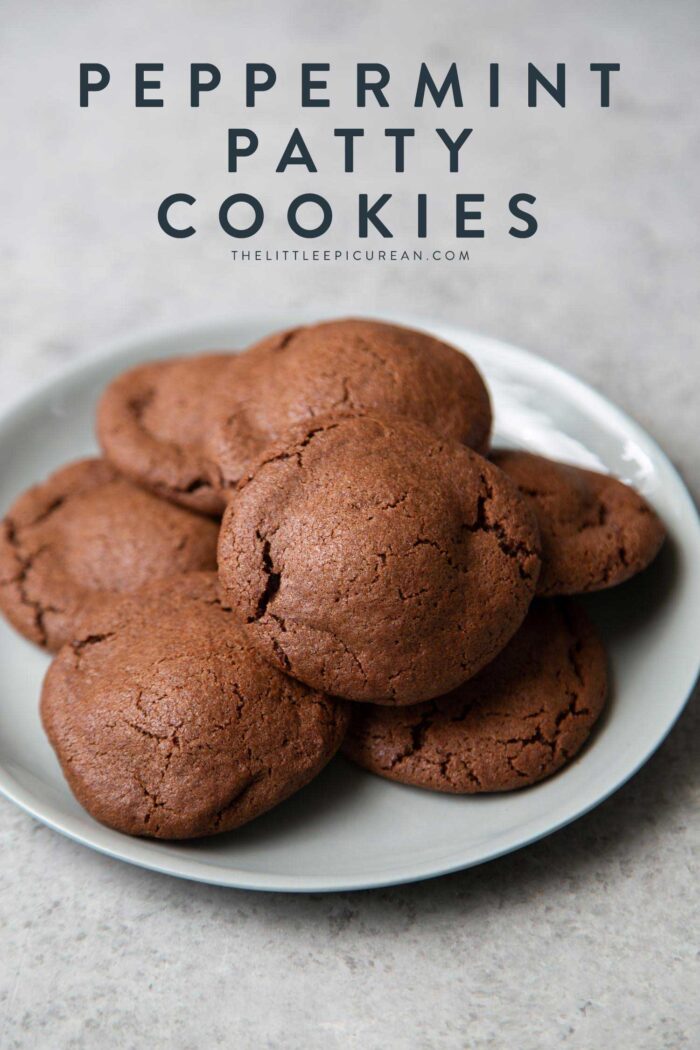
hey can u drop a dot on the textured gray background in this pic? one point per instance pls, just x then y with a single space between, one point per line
589 937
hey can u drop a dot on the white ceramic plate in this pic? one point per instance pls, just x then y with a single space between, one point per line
350 830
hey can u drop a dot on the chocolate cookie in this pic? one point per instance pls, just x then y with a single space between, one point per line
168 724
152 422
596 531
339 367
376 560
72 542
515 723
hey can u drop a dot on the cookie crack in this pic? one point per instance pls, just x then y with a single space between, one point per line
386 366
576 647
89 640
160 737
426 541
290 453
281 654
346 649
273 580
518 551
155 796
417 731
445 755
420 729
277 645
601 519
510 761
49 510
536 737
345 396
244 789
392 504
25 563
286 339
138 404
351 653
551 741
412 594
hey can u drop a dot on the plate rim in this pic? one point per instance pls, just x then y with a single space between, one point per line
197 870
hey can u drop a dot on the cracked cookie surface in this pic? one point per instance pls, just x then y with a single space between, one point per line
347 366
596 531
168 724
152 422
377 561
518 721
70 543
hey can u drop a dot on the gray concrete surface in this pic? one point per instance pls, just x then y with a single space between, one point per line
587 939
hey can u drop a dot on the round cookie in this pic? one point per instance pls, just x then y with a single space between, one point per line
168 724
347 366
517 722
377 561
595 531
152 422
72 542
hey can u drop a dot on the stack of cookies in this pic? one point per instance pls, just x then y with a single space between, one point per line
304 547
